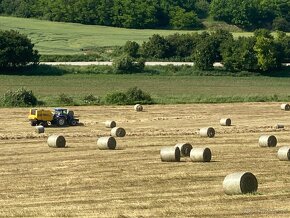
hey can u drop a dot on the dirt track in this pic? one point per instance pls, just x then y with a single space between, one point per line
81 180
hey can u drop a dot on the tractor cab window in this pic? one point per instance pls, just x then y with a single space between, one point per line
60 111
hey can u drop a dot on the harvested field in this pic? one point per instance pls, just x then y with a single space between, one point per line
81 180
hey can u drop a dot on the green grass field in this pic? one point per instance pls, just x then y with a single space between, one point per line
164 89
69 38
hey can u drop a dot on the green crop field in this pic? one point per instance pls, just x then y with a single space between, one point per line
70 38
164 89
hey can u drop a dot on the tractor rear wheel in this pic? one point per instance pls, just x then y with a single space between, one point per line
61 122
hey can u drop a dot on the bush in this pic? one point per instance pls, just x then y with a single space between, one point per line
136 95
125 63
19 98
116 98
131 96
91 99
131 48
65 99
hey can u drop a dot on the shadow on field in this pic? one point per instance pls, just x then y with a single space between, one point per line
34 70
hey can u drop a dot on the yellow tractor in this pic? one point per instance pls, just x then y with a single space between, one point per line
58 117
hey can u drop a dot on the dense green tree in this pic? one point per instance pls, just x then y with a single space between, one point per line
156 47
16 50
268 51
180 19
204 55
239 54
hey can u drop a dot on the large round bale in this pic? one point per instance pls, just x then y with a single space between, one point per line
267 141
184 148
200 155
110 124
57 141
106 143
39 129
284 153
240 183
279 126
138 107
225 121
118 132
170 154
285 107
207 132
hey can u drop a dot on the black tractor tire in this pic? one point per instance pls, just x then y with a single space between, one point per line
44 124
73 123
33 123
61 121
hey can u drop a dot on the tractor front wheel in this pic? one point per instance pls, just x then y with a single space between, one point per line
73 123
61 122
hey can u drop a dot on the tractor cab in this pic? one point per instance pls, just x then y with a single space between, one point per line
60 111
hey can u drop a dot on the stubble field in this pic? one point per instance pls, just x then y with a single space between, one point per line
81 180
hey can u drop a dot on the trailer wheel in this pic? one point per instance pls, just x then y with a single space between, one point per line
61 121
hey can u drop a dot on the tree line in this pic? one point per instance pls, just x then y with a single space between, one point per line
261 52
176 14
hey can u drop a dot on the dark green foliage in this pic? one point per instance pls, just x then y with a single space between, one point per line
281 24
182 45
119 98
181 19
239 54
156 47
136 95
19 98
131 48
65 99
126 64
16 50
91 99
131 96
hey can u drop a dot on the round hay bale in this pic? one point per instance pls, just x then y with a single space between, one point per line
284 153
185 149
170 154
110 124
225 122
240 183
285 107
200 155
39 129
105 143
267 141
118 132
207 132
57 141
138 107
279 126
